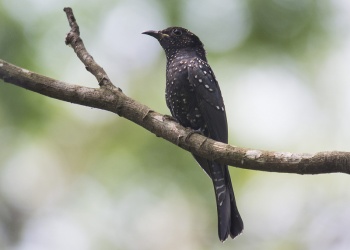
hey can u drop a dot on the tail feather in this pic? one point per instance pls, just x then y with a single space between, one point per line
229 219
224 221
236 220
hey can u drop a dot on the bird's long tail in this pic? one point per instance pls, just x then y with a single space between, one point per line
229 220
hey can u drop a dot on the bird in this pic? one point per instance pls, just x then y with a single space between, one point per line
194 98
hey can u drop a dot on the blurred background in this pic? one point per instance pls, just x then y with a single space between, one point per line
73 177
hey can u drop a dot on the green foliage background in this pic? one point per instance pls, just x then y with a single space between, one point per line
73 177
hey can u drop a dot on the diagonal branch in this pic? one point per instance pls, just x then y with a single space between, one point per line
110 98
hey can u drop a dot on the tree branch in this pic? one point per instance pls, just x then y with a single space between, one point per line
109 97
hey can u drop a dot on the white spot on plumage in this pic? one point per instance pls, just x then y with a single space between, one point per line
218 187
222 192
220 179
199 80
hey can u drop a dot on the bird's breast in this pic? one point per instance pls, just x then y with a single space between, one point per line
180 94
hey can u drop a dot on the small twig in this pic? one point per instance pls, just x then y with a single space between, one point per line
73 39
72 22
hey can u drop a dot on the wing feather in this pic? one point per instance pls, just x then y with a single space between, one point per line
209 100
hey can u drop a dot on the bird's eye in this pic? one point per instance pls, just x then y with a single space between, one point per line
177 32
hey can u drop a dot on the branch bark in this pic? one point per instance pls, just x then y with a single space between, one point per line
110 98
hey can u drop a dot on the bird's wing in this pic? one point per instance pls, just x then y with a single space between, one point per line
209 100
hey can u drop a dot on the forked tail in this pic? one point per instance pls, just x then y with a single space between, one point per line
229 220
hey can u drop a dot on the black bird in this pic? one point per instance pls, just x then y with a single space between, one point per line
194 99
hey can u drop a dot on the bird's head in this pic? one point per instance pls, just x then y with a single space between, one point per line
175 38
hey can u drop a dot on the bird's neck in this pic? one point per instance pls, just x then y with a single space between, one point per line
186 53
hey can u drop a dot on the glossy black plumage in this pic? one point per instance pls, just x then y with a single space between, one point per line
194 99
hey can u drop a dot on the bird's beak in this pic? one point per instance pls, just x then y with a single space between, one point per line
156 34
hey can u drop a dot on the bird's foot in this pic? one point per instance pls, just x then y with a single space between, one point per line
169 117
193 132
